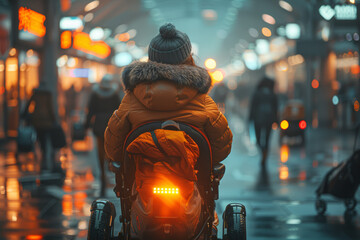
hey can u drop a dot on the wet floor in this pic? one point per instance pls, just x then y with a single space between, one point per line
279 199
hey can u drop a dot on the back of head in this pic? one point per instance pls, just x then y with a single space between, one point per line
266 83
106 82
170 46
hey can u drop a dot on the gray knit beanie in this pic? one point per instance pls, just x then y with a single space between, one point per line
170 46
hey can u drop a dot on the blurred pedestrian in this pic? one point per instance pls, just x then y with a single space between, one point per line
263 113
220 94
103 100
70 101
40 114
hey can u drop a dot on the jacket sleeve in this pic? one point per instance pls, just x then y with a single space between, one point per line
118 128
218 131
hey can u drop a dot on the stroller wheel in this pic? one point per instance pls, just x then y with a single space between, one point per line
101 224
234 227
350 204
349 215
320 206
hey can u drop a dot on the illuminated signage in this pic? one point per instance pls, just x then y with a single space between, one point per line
32 22
345 12
71 23
341 12
65 40
82 41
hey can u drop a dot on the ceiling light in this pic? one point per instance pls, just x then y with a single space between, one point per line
88 17
268 19
266 32
97 34
92 5
285 5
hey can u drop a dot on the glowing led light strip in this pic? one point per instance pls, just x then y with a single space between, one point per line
166 190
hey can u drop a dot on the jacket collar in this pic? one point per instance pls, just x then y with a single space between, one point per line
182 75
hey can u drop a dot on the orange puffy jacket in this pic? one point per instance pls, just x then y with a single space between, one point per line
155 92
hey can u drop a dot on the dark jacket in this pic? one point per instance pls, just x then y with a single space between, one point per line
39 111
263 108
102 103
155 92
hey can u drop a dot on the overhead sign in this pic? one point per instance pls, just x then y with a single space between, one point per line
341 12
82 41
32 22
345 12
71 23
327 12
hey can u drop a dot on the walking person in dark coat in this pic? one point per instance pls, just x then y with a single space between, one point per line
263 113
104 100
40 114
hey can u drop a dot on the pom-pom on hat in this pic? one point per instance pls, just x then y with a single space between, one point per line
170 46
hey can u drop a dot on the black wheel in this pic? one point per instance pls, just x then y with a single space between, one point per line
349 215
234 218
320 206
350 204
101 224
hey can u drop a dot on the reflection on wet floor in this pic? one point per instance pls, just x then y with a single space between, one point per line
279 197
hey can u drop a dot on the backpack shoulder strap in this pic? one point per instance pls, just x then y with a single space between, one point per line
153 135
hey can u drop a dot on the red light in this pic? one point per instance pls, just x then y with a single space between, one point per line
315 83
302 124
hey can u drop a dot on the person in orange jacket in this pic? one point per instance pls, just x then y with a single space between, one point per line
170 86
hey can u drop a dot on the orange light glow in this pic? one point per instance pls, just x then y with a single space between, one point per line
83 42
284 124
210 63
302 124
302 175
162 190
67 205
284 173
124 37
315 83
356 106
355 69
284 153
65 5
34 237
217 76
266 32
65 40
32 21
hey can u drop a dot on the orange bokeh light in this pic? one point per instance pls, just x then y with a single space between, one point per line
266 32
284 153
65 40
34 237
284 173
210 63
356 106
32 22
83 42
124 37
217 76
284 124
315 83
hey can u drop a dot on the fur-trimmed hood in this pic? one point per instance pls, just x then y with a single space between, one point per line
182 75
